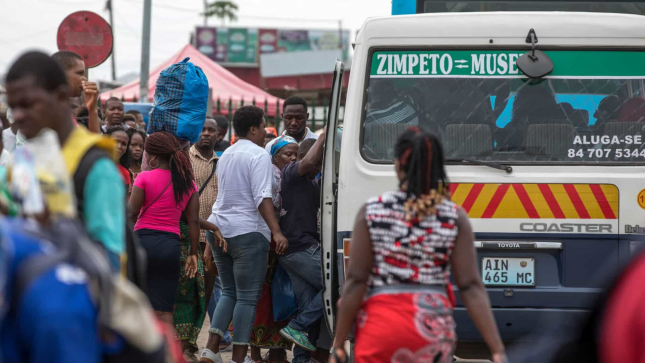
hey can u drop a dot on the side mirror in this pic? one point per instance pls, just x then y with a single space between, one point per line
534 64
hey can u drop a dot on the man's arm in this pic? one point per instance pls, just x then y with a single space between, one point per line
262 195
104 207
91 91
313 157
135 203
266 210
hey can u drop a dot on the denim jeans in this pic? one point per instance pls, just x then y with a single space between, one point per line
305 270
214 299
242 270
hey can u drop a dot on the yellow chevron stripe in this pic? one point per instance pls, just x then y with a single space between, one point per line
612 195
589 200
564 201
483 200
511 206
540 204
461 193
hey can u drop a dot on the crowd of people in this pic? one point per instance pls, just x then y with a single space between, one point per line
215 220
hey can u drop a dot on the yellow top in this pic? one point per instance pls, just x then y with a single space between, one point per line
79 142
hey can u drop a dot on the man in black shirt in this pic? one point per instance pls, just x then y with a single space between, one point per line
302 261
222 130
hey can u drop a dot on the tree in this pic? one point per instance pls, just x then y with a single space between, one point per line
222 10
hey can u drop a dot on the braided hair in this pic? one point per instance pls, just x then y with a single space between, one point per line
166 146
420 157
125 159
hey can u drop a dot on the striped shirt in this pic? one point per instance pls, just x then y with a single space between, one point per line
202 168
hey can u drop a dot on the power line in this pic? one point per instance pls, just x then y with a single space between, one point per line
167 6
199 12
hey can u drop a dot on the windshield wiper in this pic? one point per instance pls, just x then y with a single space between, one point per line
493 165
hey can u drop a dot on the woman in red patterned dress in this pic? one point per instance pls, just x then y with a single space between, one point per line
403 245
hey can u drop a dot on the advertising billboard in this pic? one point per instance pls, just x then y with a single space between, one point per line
242 46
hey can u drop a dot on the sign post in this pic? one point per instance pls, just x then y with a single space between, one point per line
88 35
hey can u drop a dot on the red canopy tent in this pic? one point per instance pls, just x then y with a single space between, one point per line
225 85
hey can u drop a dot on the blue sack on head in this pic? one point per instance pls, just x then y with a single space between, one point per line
282 295
180 101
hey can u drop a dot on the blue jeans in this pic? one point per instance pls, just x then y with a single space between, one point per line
305 270
214 299
242 270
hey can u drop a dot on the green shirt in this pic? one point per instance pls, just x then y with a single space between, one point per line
104 205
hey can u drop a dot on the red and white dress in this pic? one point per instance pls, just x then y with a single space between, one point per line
407 314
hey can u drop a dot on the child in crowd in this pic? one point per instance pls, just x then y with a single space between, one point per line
130 121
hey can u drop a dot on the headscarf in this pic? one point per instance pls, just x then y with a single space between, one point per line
281 142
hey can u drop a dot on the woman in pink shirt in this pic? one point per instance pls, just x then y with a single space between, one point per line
159 198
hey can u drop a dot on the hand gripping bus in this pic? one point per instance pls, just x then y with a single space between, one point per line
549 169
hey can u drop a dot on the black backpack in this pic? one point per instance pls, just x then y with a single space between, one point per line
136 257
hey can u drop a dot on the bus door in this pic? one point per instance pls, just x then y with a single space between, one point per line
328 198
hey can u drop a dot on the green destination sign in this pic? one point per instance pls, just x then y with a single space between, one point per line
465 63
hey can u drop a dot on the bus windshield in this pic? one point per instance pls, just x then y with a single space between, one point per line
591 108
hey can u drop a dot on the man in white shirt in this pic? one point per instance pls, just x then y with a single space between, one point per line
244 214
295 116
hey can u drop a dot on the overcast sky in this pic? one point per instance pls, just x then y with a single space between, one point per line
32 24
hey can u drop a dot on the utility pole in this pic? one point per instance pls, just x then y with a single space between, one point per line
108 7
205 9
145 51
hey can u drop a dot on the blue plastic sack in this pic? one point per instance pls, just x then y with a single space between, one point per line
282 296
180 101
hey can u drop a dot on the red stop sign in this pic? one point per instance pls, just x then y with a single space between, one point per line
88 35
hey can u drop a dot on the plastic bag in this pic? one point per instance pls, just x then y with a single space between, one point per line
282 295
24 185
180 101
51 171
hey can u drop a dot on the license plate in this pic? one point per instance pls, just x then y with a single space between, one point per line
507 271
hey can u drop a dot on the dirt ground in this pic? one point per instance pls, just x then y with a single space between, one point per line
226 356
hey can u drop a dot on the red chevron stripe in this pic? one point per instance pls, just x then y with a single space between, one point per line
551 201
526 201
494 202
472 197
577 202
602 201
